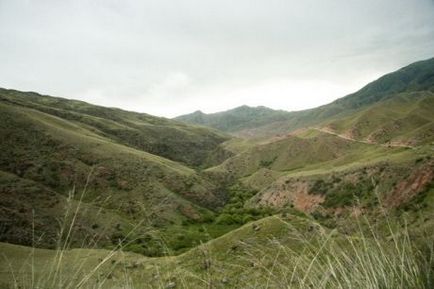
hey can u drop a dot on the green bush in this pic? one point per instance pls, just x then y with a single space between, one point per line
348 193
320 187
225 219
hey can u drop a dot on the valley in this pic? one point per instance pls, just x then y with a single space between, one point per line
97 197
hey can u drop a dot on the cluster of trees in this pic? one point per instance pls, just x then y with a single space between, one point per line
236 211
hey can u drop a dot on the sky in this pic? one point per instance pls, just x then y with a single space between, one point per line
169 58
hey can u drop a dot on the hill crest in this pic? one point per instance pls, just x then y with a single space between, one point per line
265 122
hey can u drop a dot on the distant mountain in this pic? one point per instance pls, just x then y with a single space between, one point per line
412 81
184 183
418 76
236 119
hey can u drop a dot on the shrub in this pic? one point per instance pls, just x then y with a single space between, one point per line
320 187
225 219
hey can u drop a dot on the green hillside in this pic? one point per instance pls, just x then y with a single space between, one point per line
405 119
340 196
51 146
159 136
282 251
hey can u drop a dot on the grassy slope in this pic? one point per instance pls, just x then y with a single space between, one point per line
228 256
384 138
159 136
297 153
332 177
406 118
389 122
325 175
275 252
47 151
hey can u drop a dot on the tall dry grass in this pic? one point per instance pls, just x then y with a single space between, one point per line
369 259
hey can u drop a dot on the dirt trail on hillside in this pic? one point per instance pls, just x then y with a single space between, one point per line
346 137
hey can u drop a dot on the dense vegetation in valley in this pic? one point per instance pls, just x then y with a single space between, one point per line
247 198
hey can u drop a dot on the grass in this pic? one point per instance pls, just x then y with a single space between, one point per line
62 267
50 144
281 251
263 164
261 179
44 155
405 118
179 238
190 145
277 252
153 191
289 252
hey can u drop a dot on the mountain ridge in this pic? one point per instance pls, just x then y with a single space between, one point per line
192 183
418 76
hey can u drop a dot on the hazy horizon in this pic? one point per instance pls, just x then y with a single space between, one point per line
170 58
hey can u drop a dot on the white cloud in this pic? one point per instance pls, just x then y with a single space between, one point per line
170 57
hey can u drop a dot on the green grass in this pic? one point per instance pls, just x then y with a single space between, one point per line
405 118
190 145
203 210
45 155
263 164
274 252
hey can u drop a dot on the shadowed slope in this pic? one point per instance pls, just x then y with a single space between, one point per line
50 146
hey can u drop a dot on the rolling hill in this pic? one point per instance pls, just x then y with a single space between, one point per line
371 147
129 164
159 136
219 195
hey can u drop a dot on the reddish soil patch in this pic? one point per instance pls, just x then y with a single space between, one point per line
306 202
408 189
296 193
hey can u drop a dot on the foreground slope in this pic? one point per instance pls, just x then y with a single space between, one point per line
282 251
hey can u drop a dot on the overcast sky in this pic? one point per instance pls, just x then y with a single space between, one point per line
173 57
